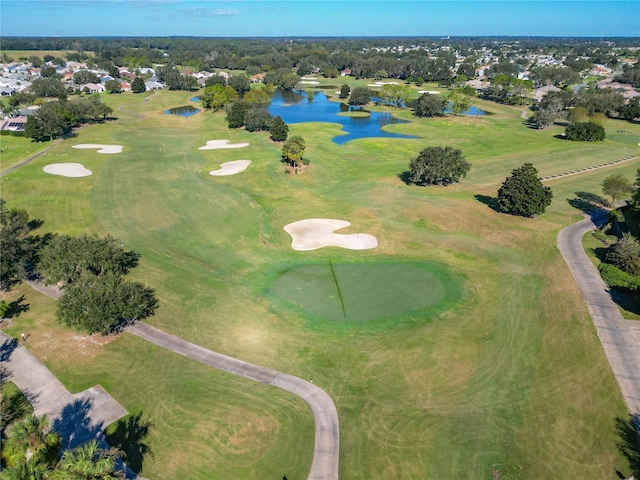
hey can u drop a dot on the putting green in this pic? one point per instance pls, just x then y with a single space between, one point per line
359 292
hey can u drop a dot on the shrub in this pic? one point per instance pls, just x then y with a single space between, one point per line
523 194
585 132
615 277
625 254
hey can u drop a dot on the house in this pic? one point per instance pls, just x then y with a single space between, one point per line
150 85
601 70
15 124
478 85
257 78
93 88
346 72
125 86
539 93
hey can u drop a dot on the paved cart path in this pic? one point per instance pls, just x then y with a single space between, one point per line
620 338
327 435
327 439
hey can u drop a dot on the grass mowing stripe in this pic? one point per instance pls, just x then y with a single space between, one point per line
335 279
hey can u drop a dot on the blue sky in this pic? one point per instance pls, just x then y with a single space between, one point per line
239 18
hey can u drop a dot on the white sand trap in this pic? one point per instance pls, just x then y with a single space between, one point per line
67 170
430 92
310 82
307 78
374 84
108 149
215 144
315 233
231 168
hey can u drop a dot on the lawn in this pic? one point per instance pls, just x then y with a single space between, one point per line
505 378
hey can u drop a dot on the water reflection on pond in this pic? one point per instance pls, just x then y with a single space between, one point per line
297 107
184 111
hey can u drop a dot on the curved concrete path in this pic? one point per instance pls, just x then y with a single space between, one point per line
327 437
620 338
326 450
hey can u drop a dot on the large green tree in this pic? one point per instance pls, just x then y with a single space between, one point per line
360 96
18 246
65 259
616 186
137 86
429 105
438 166
395 95
523 193
236 112
279 130
257 119
104 303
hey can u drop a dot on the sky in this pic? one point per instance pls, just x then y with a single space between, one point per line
297 18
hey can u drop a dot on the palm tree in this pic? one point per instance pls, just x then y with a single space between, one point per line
88 462
31 441
31 470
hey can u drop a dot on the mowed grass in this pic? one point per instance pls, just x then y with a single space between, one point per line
366 291
13 150
511 379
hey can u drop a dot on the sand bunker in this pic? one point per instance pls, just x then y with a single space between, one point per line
231 168
310 82
67 170
430 92
315 233
108 149
215 144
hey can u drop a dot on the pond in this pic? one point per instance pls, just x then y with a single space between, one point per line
185 111
297 107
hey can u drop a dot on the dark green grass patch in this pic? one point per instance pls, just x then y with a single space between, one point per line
359 292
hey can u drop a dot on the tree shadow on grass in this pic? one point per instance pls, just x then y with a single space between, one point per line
128 436
628 431
588 202
491 202
16 308
405 177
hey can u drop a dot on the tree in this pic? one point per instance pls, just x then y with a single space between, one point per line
104 303
240 83
257 97
257 119
30 441
215 97
459 100
66 259
89 462
293 151
630 111
438 166
138 86
635 198
396 95
48 87
113 86
288 81
616 186
429 105
523 193
279 130
345 90
360 96
236 112
18 247
625 254
585 132
85 76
